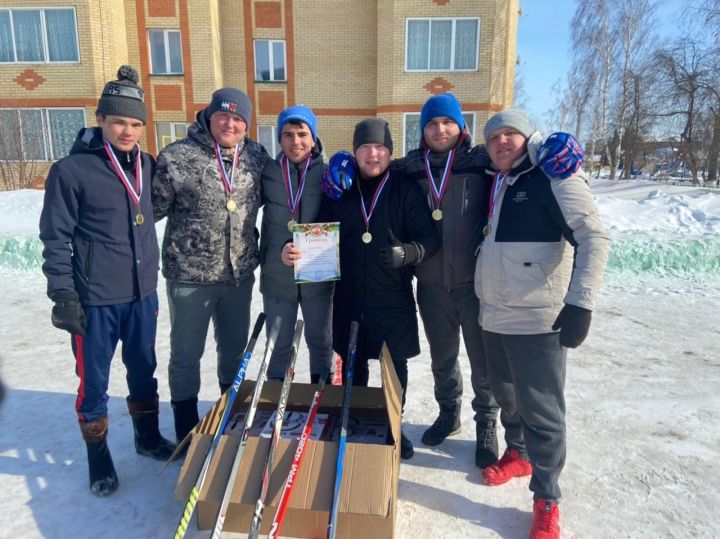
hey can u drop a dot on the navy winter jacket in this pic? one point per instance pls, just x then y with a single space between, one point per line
92 243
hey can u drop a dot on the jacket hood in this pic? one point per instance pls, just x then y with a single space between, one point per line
89 139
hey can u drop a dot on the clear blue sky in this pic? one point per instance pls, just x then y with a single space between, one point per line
545 51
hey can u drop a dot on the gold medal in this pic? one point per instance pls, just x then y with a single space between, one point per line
231 205
366 237
291 224
487 229
139 219
437 214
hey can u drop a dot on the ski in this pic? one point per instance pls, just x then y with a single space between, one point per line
297 459
249 417
195 492
345 415
276 430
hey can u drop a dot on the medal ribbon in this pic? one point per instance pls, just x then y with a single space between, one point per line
498 181
136 191
228 181
436 193
293 202
367 215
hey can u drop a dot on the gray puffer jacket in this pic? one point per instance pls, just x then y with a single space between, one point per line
204 241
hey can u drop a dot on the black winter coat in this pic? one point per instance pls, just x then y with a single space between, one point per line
464 211
276 279
381 298
92 243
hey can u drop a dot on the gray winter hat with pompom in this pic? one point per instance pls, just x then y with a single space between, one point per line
123 97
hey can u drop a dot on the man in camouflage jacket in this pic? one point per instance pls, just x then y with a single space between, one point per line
208 186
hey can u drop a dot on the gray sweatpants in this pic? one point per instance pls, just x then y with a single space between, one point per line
317 314
527 374
192 306
444 313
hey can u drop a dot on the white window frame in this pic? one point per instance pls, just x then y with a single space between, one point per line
452 43
166 44
173 134
406 115
43 27
270 43
275 144
47 135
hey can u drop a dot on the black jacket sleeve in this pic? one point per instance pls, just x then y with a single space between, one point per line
58 219
419 227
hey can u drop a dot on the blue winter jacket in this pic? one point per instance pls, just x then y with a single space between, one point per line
89 227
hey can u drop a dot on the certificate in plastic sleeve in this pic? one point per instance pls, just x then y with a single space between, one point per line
320 247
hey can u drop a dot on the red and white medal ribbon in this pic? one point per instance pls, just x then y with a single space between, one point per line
135 191
368 214
438 192
228 181
293 201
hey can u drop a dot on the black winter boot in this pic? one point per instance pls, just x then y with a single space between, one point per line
446 424
186 417
148 440
406 447
103 479
486 448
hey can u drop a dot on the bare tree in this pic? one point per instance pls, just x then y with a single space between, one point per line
18 167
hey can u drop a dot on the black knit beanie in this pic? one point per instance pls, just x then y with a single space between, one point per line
372 131
123 97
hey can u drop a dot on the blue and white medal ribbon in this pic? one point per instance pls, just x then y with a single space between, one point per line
293 201
367 237
228 181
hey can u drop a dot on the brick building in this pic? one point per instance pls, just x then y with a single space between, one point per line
347 59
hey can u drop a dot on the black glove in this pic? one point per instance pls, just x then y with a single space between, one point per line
68 314
574 324
398 254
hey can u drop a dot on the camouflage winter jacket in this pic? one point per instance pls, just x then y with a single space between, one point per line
210 235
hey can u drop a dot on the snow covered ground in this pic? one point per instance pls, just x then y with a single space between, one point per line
643 400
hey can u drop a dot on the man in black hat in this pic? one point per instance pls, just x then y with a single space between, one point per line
385 230
208 187
101 259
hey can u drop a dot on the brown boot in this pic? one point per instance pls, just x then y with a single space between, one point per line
148 440
103 479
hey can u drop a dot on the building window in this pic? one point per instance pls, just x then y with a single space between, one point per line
38 35
413 134
38 134
441 44
165 52
168 132
267 136
269 60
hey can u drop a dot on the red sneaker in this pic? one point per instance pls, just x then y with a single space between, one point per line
510 465
546 520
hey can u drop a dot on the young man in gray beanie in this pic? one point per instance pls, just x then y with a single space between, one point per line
208 187
101 260
385 231
537 275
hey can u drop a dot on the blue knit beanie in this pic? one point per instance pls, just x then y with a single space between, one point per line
442 105
230 100
299 113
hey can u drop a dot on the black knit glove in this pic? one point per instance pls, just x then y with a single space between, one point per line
398 254
68 314
574 324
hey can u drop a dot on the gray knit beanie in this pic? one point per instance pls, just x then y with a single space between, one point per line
123 97
513 118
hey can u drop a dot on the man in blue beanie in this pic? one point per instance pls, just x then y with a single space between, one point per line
208 187
292 192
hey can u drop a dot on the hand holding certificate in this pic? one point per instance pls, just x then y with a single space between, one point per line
315 252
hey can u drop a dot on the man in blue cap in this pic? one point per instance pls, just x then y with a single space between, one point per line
292 192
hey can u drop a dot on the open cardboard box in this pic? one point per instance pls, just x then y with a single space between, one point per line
368 496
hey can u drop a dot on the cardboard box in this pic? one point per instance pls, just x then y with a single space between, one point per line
368 496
